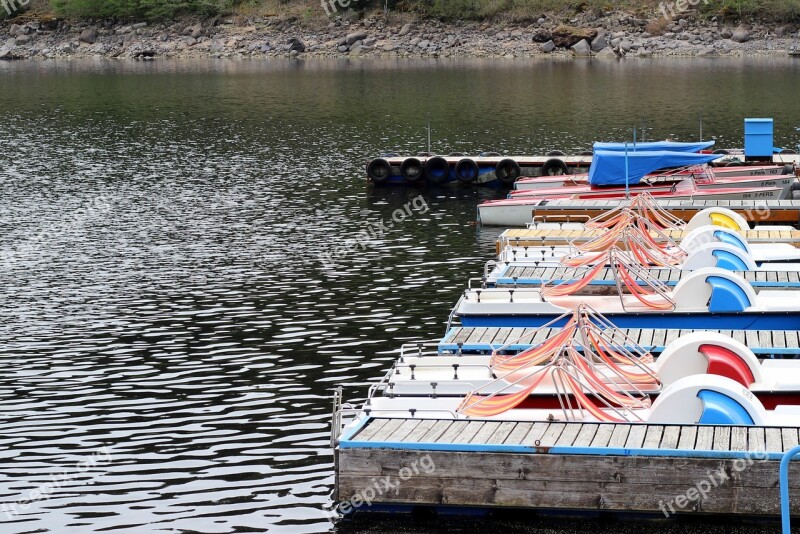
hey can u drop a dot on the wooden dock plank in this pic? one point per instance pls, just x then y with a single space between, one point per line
722 438
436 432
567 437
501 433
619 436
738 438
404 430
705 438
585 436
550 437
652 437
366 433
789 436
603 435
487 430
670 438
536 434
516 436
422 429
635 437
688 438
755 439
773 439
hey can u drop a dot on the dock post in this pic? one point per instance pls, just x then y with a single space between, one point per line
784 481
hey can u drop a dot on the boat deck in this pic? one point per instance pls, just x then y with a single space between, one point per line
567 465
766 211
535 275
528 237
764 343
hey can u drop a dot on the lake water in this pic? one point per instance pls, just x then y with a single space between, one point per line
170 338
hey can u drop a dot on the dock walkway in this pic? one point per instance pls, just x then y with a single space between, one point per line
658 469
763 343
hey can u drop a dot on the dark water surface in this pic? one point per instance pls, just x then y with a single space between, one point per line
169 338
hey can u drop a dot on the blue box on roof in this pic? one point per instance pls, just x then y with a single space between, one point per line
758 137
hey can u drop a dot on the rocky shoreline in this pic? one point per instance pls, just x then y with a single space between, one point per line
615 35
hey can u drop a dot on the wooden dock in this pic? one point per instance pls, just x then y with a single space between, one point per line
643 468
521 275
478 340
766 211
528 237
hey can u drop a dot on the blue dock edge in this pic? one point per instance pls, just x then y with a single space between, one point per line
350 441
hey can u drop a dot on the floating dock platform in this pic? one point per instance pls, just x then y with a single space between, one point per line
640 468
764 211
479 340
529 237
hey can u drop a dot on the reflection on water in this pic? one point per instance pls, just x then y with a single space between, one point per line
160 226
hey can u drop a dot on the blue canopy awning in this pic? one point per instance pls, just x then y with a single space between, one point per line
608 168
655 145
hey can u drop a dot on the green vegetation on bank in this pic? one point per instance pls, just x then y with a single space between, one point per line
451 10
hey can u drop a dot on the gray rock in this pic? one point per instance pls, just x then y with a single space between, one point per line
599 43
23 39
780 31
516 34
582 48
138 25
643 52
293 53
197 32
423 44
296 45
740 35
406 29
15 30
615 42
189 40
414 41
606 53
727 33
501 35
164 37
89 35
343 48
626 46
355 37
707 51
548 47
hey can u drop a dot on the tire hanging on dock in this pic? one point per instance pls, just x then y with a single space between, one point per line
379 170
788 169
437 170
467 171
507 171
554 167
411 170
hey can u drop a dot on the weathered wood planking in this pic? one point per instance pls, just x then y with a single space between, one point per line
774 211
629 482
533 238
576 482
760 341
515 274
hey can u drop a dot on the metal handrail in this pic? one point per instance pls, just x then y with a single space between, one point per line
784 483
